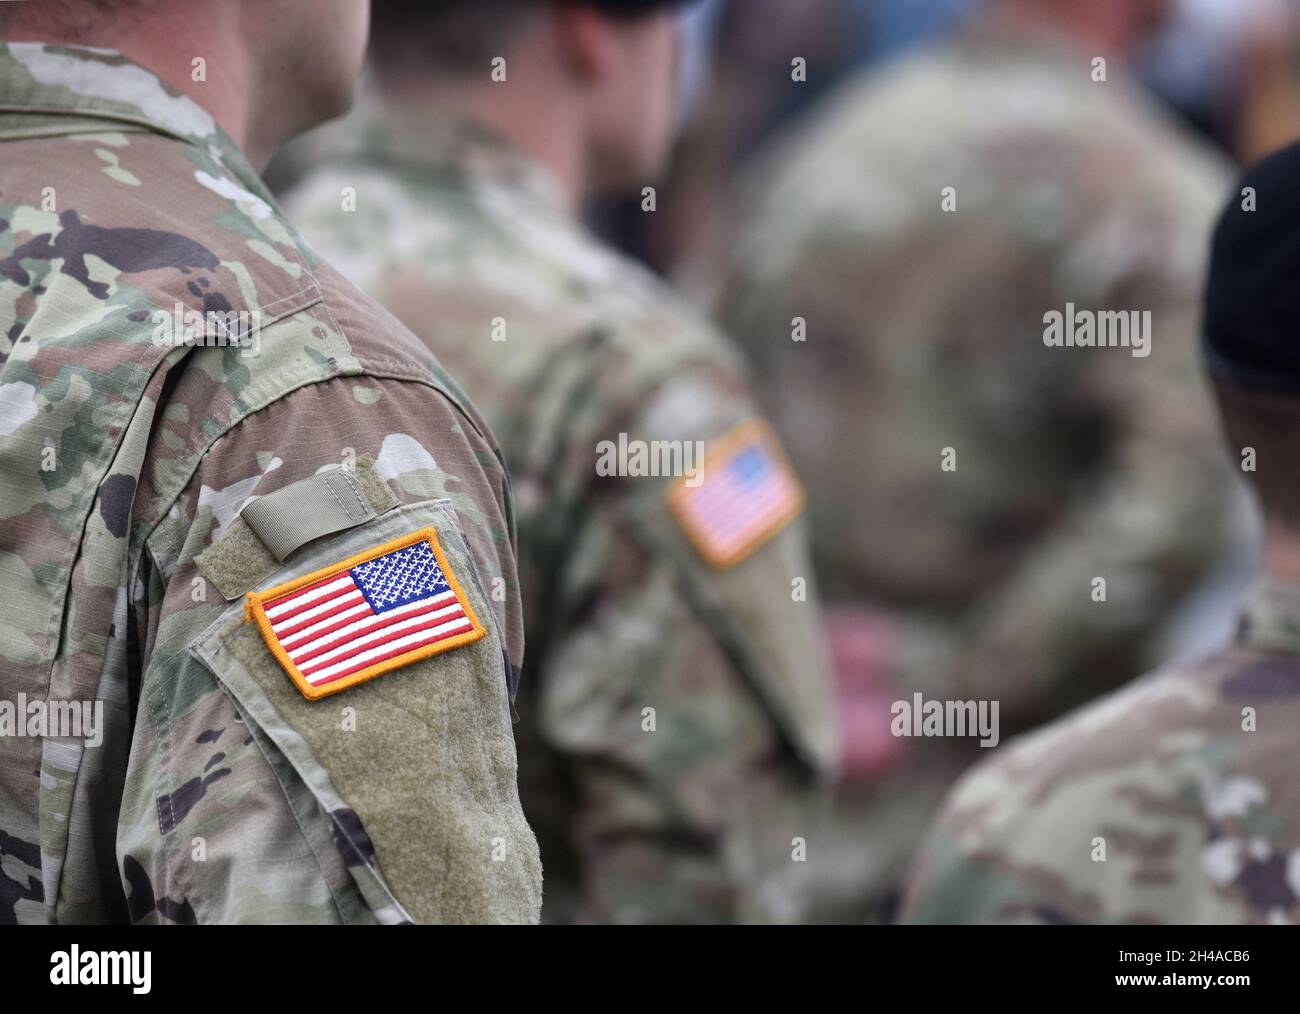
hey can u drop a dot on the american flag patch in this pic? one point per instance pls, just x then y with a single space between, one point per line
365 616
749 493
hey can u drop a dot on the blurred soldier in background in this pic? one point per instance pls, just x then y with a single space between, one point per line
182 391
1030 515
1175 800
678 724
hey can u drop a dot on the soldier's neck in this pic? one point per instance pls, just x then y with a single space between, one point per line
1282 553
550 133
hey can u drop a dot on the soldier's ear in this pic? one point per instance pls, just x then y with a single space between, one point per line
588 40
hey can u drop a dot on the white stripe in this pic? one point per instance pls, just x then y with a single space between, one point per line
409 639
739 509
361 608
736 535
386 632
368 621
299 600
724 543
725 523
307 615
729 490
724 498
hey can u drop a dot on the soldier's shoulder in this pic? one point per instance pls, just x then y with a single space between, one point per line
476 268
1113 734
149 226
1138 807
156 216
178 285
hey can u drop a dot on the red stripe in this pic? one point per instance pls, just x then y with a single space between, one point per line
303 591
344 600
727 519
372 645
289 634
720 497
466 625
729 490
388 622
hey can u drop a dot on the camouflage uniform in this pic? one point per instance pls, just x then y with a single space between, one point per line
923 347
218 792
1172 801
688 812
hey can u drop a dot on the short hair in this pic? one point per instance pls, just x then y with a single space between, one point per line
462 36
447 36
1266 423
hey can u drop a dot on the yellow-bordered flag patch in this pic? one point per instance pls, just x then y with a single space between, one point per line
749 493
365 616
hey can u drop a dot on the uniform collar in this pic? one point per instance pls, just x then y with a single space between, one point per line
54 90
1271 618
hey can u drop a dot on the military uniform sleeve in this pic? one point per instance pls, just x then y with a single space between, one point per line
324 729
1087 821
1022 837
684 691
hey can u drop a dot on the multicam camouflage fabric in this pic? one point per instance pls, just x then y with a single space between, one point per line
1172 801
123 457
964 476
677 718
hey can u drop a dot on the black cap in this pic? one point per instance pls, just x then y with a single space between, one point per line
1252 295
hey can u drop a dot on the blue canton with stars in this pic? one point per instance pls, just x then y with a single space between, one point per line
399 577
751 466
